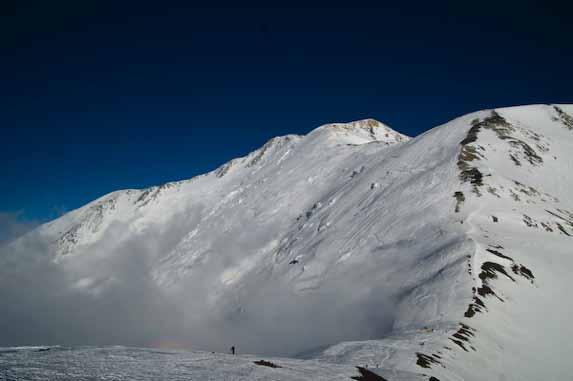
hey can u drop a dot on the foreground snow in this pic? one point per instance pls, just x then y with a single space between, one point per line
446 255
119 363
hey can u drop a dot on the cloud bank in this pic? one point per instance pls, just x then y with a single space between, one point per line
108 297
13 226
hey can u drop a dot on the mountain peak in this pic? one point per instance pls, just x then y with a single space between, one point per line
363 131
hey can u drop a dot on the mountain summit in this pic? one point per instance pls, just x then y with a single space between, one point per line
445 256
363 131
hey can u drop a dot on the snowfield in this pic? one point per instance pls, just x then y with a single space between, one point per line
446 256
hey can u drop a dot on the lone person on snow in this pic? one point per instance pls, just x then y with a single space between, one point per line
233 350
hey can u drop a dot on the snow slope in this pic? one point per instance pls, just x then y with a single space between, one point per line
446 255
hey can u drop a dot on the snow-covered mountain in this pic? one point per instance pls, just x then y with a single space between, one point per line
446 255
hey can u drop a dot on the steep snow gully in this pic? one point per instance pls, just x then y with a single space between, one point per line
442 257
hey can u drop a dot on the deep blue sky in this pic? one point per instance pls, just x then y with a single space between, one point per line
100 96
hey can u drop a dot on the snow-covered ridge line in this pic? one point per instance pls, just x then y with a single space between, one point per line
252 158
357 132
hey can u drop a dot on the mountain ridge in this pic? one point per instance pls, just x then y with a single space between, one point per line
420 251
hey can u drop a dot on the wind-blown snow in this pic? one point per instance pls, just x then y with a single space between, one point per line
352 245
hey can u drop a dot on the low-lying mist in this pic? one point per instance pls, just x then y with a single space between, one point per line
103 299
